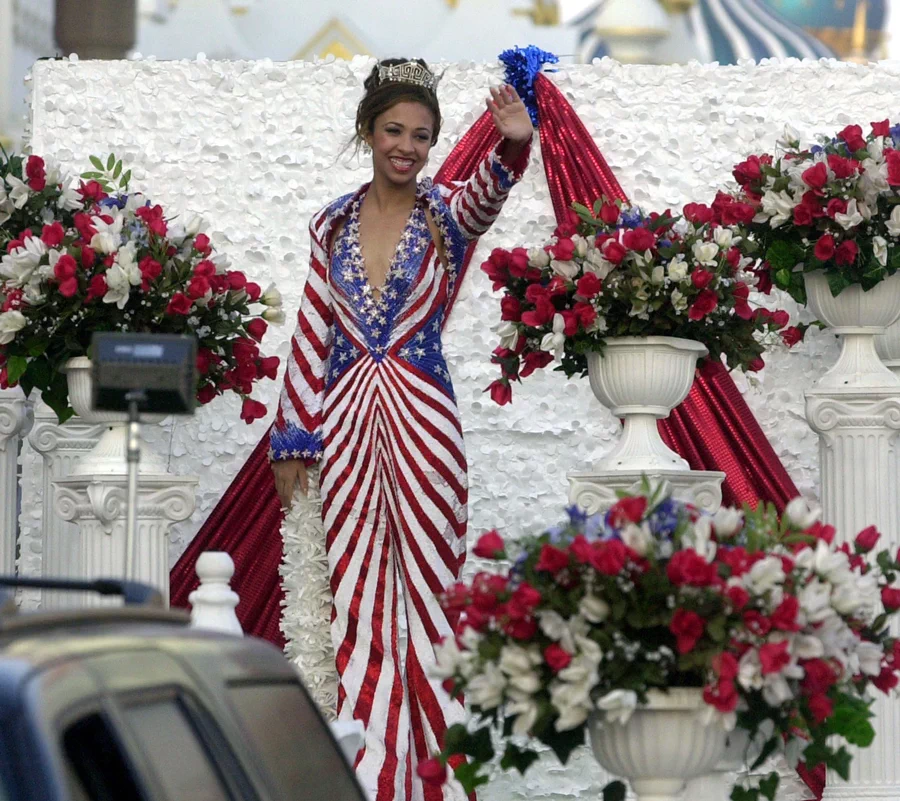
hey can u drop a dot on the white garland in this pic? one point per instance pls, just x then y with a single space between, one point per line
305 622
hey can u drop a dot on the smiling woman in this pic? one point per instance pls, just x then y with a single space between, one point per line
368 395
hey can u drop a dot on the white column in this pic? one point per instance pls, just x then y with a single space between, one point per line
7 48
16 418
597 490
97 503
213 602
60 447
857 431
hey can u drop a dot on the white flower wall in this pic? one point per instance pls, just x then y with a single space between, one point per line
257 148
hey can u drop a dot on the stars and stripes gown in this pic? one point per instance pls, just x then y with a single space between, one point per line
367 394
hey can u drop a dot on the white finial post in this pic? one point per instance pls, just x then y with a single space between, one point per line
213 602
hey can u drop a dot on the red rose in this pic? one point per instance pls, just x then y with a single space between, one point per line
886 681
201 244
882 128
836 206
518 263
510 309
791 336
738 597
890 597
585 315
820 707
153 219
757 623
252 410
824 248
557 657
609 213
569 225
756 364
841 167
206 393
780 318
846 252
521 629
91 191
892 157
540 315
563 250
179 304
257 328
34 173
253 291
198 287
97 287
815 177
489 546
609 557
69 287
639 240
268 367
432 772
867 539
688 567
534 360
588 286
723 696
236 279
852 135
552 559
53 235
526 596
748 172
613 251
803 215
627 510
698 213
818 677
205 360
774 657
501 392
496 268
151 269
701 278
725 665
821 531
687 628
703 304
66 267
245 350
784 617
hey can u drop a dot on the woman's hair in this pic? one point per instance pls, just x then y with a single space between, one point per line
382 95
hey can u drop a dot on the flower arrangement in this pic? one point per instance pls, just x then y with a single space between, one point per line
783 629
98 257
615 271
834 206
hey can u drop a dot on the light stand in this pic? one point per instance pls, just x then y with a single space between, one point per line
133 458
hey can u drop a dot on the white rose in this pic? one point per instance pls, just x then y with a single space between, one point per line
526 714
10 323
778 207
727 521
679 301
555 627
573 703
516 661
539 258
658 275
486 689
555 342
567 269
750 670
271 297
851 218
765 575
815 601
893 223
595 609
274 316
776 690
194 226
832 565
636 537
447 658
528 683
724 237
790 139
596 263
581 246
879 249
845 599
618 705
869 655
508 332
678 269
801 513
806 646
706 253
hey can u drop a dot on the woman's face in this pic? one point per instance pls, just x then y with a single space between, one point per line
400 142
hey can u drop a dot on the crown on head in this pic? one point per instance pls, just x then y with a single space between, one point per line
408 72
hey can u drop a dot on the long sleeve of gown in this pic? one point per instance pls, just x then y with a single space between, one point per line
297 433
475 203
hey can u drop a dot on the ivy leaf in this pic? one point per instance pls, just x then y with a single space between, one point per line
468 776
455 738
769 786
784 256
840 763
515 757
478 745
837 283
614 791
744 793
15 368
563 743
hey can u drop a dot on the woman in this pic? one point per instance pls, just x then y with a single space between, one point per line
368 395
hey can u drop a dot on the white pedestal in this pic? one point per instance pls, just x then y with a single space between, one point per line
858 460
60 447
597 490
96 502
16 418
213 602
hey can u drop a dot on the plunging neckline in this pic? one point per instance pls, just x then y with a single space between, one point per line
369 289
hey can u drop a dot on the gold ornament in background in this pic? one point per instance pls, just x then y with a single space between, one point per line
542 12
678 6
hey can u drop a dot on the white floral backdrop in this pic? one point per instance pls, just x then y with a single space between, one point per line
258 147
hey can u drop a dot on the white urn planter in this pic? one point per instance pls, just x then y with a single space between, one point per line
858 317
642 379
662 746
109 454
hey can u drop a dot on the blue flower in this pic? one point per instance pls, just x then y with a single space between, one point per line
816 149
665 517
576 514
594 526
631 218
555 533
110 200
523 64
895 133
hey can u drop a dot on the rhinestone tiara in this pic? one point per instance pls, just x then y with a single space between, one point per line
408 72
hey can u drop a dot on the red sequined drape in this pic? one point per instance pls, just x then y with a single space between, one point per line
713 429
